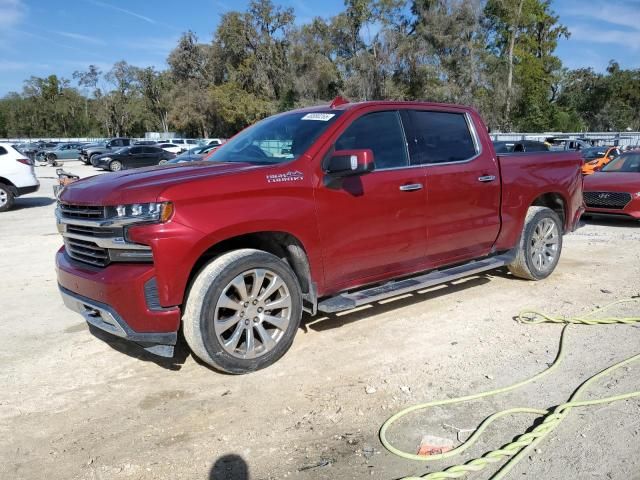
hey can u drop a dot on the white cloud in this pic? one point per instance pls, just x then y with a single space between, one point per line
80 37
124 10
628 39
10 66
611 12
11 13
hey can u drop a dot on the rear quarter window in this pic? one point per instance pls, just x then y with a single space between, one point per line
439 137
3 151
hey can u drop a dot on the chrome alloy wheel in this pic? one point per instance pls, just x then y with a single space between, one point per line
4 198
253 313
544 244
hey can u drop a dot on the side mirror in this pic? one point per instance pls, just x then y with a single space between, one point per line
347 163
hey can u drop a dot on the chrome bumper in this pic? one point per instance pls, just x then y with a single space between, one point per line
102 316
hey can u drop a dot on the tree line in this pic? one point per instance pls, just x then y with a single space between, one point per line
496 55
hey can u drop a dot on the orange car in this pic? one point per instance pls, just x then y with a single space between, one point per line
597 157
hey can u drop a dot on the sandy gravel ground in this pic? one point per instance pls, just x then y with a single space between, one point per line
76 407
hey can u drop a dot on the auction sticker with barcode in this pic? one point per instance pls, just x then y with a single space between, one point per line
322 117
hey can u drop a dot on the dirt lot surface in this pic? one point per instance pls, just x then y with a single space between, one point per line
76 407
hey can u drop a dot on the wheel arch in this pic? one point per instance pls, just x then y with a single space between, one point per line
9 184
556 202
283 245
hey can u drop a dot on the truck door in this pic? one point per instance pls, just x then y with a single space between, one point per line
373 225
462 185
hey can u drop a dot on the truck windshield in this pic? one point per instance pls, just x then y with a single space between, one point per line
276 139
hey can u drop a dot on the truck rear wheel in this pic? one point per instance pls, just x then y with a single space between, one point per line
540 245
243 311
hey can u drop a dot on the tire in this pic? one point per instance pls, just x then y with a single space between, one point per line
115 165
162 162
51 158
7 198
204 318
540 245
92 158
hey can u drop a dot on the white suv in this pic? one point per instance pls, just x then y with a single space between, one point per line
17 176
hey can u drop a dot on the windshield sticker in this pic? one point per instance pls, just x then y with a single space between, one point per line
322 117
290 176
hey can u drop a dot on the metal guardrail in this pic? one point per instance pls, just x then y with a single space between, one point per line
620 139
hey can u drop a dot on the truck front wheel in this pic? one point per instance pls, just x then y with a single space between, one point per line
540 245
243 311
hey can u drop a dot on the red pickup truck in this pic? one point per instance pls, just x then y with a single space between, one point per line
316 210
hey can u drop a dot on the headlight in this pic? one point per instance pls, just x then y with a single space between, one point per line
104 159
142 212
636 195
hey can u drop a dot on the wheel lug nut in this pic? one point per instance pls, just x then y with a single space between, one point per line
246 304
255 302
246 322
242 314
259 309
256 320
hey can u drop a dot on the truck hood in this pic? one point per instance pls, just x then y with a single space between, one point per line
612 181
143 184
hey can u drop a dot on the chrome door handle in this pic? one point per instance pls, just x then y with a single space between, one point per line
411 187
487 178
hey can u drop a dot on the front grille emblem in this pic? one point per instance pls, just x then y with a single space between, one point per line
604 195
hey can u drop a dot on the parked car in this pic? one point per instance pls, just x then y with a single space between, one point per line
214 141
561 143
17 176
89 152
615 190
183 142
321 209
171 147
62 151
132 157
144 142
520 146
32 150
194 154
597 157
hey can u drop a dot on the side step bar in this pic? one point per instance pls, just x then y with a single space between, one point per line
347 301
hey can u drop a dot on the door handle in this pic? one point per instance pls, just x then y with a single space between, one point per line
411 187
487 178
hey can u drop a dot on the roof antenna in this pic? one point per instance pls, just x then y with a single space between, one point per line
339 100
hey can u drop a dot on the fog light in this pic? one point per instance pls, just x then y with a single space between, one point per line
121 210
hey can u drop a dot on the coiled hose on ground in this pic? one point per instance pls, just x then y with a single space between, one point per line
519 448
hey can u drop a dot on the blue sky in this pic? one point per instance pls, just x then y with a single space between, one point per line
40 37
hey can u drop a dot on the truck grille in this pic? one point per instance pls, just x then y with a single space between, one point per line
87 252
98 232
613 200
92 235
82 211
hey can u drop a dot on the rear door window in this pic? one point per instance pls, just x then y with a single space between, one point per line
439 137
136 150
380 132
3 151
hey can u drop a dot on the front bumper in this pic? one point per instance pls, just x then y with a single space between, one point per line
120 299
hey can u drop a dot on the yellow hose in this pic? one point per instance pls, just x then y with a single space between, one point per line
519 448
